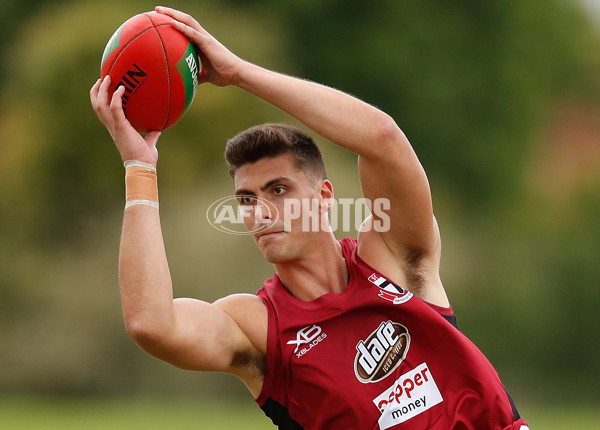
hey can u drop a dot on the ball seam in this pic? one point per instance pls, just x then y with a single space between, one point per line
168 67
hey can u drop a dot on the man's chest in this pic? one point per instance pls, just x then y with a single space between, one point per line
370 360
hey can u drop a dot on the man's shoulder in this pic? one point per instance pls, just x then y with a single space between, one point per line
250 314
234 301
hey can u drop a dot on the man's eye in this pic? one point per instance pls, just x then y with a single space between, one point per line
246 200
278 190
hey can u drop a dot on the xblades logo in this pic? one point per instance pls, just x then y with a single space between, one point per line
382 352
311 336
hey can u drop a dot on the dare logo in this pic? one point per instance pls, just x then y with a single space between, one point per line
382 352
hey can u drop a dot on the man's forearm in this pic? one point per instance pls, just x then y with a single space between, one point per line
145 282
337 116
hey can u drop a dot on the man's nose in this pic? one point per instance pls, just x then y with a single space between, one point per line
262 212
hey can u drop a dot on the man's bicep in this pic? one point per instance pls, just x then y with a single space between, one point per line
204 338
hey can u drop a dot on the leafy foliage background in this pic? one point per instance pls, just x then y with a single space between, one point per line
500 100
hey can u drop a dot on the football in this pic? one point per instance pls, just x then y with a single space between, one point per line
157 65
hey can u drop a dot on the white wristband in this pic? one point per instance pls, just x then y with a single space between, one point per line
136 163
141 202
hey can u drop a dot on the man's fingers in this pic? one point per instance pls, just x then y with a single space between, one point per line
105 84
101 94
116 104
152 138
188 31
180 16
185 23
100 101
96 94
174 13
94 91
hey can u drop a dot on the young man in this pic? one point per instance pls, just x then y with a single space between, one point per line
353 334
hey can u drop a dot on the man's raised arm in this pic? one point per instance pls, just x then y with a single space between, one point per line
389 168
187 333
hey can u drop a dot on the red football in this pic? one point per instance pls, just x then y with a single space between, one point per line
157 65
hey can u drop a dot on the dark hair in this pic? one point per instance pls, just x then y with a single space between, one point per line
271 140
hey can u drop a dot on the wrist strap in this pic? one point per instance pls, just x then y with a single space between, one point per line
141 184
136 163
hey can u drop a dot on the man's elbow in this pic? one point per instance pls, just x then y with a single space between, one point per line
388 135
145 333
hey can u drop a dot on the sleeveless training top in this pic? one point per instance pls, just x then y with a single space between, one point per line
375 357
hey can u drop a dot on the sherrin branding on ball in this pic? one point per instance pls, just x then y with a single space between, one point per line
157 65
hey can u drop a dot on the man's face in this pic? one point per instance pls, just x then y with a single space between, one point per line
262 189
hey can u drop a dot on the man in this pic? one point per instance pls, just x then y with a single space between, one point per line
353 334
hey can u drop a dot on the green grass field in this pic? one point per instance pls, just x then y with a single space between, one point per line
126 414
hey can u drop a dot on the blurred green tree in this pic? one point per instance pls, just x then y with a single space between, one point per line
56 149
473 84
61 194
468 81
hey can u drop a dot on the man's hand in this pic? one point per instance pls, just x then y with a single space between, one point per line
219 65
129 142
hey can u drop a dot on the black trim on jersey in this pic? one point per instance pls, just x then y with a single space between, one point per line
513 406
452 320
279 415
517 416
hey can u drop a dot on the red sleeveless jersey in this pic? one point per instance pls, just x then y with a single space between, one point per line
375 357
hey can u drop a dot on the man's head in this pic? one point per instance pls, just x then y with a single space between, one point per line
275 168
271 140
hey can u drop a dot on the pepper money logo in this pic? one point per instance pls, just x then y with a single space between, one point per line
382 352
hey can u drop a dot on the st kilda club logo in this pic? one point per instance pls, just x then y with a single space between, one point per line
382 352
390 291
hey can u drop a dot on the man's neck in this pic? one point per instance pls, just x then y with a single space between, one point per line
323 271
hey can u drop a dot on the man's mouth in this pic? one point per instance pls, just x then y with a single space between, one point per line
267 234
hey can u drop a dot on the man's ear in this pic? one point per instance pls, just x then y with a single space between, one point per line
326 199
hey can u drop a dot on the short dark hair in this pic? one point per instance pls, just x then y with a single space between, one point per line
270 140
